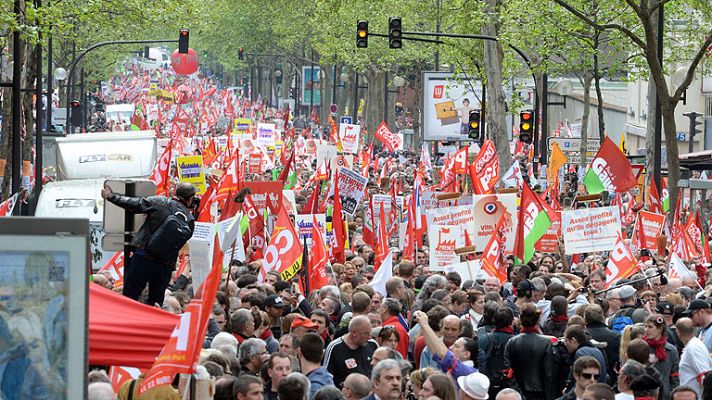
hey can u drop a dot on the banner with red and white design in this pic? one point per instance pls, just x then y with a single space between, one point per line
389 139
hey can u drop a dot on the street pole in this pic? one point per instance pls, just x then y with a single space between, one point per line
354 113
38 113
17 105
333 87
544 129
437 30
311 90
82 98
50 83
657 137
385 97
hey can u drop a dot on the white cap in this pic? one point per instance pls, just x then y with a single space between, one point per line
475 385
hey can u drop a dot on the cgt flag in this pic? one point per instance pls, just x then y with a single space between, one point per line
621 264
484 170
533 223
160 173
284 253
180 354
494 255
610 170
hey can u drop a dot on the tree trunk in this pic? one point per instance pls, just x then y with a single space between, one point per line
495 116
599 94
373 113
417 106
587 78
667 109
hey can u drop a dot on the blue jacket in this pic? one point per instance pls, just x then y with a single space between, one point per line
319 378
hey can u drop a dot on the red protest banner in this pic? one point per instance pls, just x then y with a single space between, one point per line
388 138
266 195
484 171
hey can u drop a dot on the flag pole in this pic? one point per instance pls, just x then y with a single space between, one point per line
305 267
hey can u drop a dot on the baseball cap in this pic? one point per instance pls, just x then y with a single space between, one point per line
626 291
475 385
274 301
304 322
665 308
696 305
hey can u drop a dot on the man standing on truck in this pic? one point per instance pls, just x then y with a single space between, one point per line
169 225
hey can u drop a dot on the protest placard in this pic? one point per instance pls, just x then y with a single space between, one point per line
349 134
487 210
590 229
255 164
265 134
190 170
652 225
549 243
352 187
468 270
304 224
443 241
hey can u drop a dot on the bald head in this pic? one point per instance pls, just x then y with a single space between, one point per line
685 329
359 385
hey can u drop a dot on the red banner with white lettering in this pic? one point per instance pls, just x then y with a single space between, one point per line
180 354
621 264
389 139
484 170
284 253
494 255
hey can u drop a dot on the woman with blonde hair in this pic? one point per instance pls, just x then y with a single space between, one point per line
630 332
418 377
439 385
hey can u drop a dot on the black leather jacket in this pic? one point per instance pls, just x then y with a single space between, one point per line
529 357
156 208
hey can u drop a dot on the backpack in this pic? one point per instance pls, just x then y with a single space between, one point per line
620 320
173 233
494 357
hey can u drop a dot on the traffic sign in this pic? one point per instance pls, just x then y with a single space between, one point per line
346 119
333 108
573 145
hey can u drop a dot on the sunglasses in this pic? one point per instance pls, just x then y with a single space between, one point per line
586 375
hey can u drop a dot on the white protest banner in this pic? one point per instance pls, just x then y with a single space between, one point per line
265 134
288 197
377 200
486 210
443 241
229 232
589 230
462 218
304 224
352 187
468 270
429 201
200 246
349 134
325 152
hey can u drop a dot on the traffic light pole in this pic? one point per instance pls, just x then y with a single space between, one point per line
85 52
693 128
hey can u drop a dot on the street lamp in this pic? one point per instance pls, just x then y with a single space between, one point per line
398 81
60 74
344 77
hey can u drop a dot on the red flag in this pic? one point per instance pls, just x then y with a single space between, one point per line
205 201
119 375
610 169
312 205
493 257
654 203
409 239
7 206
231 207
337 224
284 253
484 170
284 175
180 354
368 235
382 247
390 140
334 131
115 266
317 263
230 179
160 172
621 264
286 119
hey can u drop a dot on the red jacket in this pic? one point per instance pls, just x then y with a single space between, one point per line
404 341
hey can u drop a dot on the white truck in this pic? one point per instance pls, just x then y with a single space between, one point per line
84 162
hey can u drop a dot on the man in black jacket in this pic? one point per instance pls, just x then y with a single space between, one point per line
599 331
145 268
529 357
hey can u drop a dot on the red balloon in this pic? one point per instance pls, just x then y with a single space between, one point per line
184 64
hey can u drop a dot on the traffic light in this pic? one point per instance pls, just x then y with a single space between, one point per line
76 112
526 126
183 38
395 40
473 129
362 34
241 54
694 130
146 53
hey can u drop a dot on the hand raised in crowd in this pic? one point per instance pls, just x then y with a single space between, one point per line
106 191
